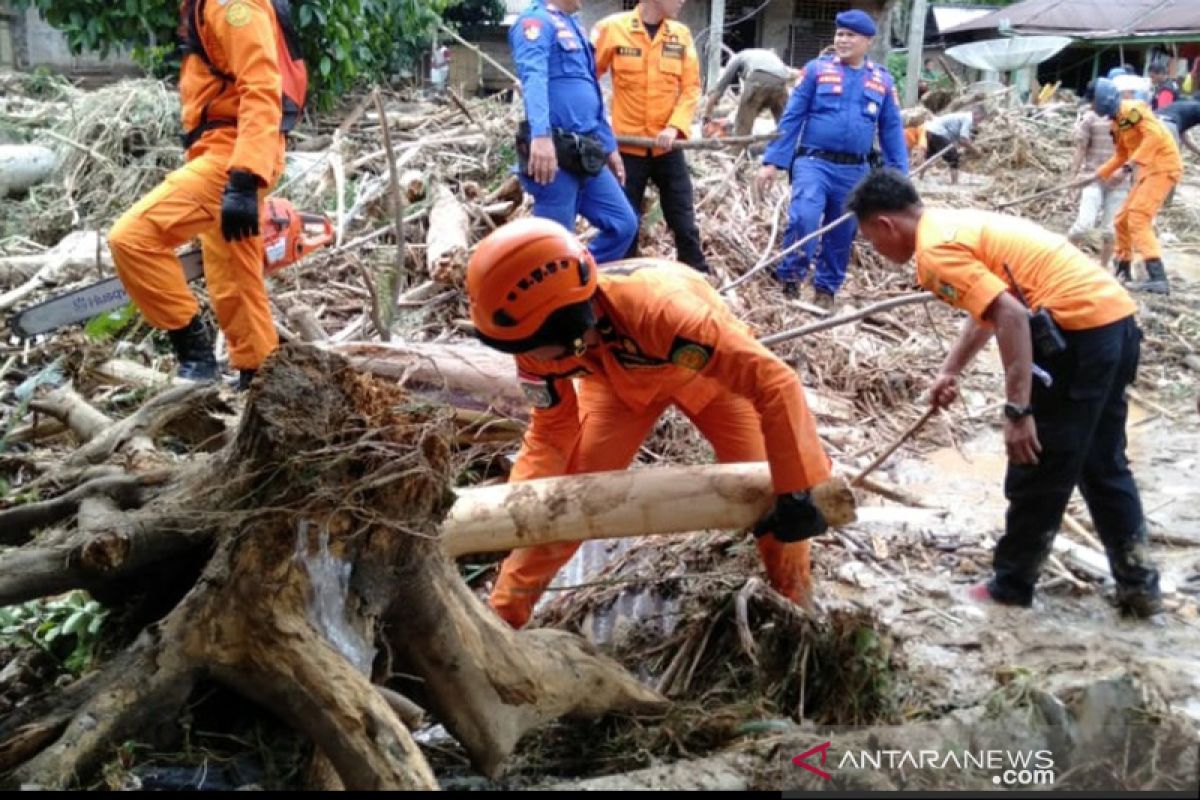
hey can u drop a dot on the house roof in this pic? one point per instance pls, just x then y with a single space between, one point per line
1092 19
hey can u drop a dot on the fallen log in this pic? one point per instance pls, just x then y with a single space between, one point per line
607 505
446 244
23 166
462 374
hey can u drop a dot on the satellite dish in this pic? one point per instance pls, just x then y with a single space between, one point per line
1008 54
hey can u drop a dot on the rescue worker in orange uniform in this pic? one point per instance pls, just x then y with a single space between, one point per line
1143 139
233 112
656 88
1066 369
639 337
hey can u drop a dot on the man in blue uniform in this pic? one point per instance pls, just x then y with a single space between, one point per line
825 138
565 141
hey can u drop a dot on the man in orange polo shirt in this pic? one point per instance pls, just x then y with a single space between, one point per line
1063 430
656 88
601 356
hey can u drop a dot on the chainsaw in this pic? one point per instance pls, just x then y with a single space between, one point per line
288 236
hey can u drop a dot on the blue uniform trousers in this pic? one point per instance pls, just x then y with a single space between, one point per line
599 199
819 190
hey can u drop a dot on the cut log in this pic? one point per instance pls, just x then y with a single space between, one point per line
446 244
463 374
412 183
605 505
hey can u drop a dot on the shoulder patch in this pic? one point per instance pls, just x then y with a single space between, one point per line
690 355
538 390
532 29
947 291
238 14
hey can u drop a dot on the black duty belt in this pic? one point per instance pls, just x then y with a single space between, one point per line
829 155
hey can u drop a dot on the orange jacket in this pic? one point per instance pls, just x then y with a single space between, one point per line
1141 138
655 84
667 335
239 37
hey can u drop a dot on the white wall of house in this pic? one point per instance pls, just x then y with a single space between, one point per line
35 43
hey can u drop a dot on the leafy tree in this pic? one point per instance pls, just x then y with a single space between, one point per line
345 41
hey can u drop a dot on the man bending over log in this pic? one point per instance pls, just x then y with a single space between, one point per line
640 336
1057 317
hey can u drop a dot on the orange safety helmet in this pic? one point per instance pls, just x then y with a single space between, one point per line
530 284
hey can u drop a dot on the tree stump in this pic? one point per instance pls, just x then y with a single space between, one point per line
313 535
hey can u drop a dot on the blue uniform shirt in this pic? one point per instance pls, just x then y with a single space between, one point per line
838 108
557 68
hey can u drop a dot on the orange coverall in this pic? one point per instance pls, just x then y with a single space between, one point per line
1142 139
655 83
239 37
667 339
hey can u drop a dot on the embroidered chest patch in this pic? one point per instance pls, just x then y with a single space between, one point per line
690 355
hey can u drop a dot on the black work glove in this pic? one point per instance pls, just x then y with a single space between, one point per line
239 206
793 519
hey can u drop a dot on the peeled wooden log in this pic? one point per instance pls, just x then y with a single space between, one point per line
23 166
446 245
607 505
463 374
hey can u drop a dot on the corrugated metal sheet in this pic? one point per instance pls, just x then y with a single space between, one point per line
1091 19
947 17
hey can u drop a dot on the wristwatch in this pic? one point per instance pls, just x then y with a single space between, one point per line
1015 412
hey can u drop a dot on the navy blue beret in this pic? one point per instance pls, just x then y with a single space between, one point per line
858 21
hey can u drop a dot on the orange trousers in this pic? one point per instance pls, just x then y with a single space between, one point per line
187 205
1134 223
609 438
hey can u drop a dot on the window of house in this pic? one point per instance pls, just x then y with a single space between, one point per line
811 29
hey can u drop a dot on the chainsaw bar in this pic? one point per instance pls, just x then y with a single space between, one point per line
89 301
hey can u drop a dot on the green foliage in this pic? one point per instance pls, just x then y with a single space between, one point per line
66 627
345 42
109 324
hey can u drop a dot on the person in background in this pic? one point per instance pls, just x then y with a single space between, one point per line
826 137
952 131
565 142
1140 138
1099 200
765 82
1180 117
656 87
1164 91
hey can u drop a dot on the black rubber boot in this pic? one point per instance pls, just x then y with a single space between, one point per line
1156 282
1123 270
245 376
194 351
1138 592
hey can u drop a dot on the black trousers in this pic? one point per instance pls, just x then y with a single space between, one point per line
1081 426
670 174
937 143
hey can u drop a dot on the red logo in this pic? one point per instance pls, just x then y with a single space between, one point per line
823 749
